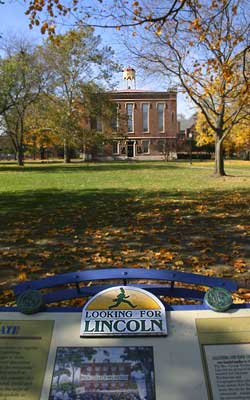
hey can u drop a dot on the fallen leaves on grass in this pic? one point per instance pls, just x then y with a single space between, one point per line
207 235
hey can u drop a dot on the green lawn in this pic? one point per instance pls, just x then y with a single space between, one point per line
57 218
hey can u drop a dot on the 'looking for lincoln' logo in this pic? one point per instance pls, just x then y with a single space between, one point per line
123 311
121 298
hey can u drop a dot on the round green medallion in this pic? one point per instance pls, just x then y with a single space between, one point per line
30 302
218 299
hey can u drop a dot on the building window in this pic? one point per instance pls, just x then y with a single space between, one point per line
145 117
115 118
100 149
160 116
173 117
145 146
99 124
115 146
161 146
130 116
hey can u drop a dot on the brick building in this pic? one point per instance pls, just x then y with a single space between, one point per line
107 378
145 127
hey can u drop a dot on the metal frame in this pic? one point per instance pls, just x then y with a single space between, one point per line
87 283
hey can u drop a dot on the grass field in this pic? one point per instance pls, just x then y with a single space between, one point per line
57 218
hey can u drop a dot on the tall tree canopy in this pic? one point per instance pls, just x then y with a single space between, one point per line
46 92
206 52
76 61
22 79
105 13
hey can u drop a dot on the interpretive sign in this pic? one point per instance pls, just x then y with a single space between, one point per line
124 310
103 373
206 356
24 348
225 345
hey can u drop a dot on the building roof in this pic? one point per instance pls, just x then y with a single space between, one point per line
143 94
188 123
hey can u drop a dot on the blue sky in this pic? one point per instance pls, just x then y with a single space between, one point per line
13 21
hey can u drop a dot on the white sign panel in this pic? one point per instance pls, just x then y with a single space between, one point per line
229 371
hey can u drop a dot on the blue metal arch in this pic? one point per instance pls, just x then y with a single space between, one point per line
67 286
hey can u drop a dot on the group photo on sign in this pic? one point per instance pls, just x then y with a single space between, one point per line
103 373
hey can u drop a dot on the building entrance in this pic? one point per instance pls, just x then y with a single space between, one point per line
130 146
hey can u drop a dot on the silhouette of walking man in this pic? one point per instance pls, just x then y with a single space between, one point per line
121 298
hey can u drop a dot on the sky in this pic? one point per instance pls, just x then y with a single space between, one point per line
13 21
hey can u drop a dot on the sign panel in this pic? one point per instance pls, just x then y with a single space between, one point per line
206 356
229 371
225 347
123 311
104 373
24 347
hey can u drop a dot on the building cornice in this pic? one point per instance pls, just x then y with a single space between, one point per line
142 95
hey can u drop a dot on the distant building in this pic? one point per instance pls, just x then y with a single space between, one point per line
186 126
107 378
145 127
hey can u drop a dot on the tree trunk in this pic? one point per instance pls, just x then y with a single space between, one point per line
20 155
42 153
66 152
219 158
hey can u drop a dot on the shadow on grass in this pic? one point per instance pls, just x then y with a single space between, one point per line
53 231
88 167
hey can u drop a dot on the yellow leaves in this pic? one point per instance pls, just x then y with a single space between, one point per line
201 208
8 293
158 31
35 268
45 254
196 23
99 259
22 276
195 260
118 27
68 229
227 72
179 263
51 29
44 27
165 255
240 265
214 4
234 10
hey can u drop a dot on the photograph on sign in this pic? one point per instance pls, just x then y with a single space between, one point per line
98 373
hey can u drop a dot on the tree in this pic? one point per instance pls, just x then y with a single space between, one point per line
141 359
23 78
238 140
40 129
77 61
206 51
103 13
